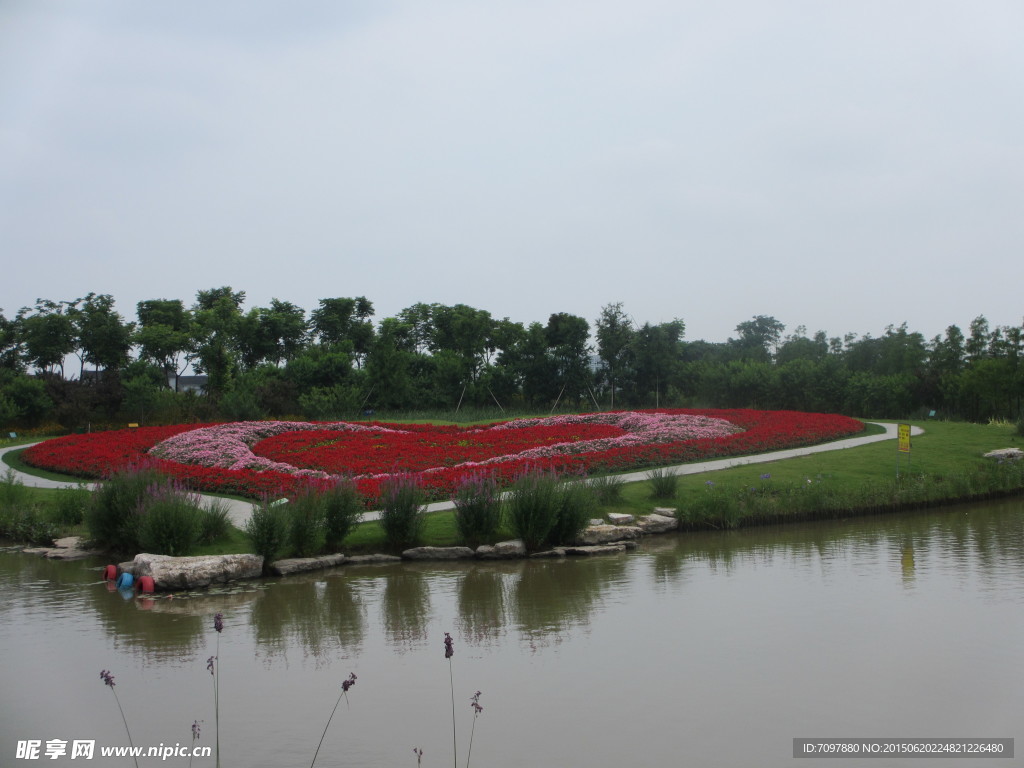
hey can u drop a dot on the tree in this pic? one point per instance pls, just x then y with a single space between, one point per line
615 337
164 335
10 345
103 336
658 356
343 320
217 313
977 345
48 334
759 337
567 338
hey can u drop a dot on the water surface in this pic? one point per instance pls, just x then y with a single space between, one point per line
698 649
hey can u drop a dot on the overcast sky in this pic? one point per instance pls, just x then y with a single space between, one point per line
843 165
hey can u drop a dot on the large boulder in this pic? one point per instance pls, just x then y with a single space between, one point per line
191 572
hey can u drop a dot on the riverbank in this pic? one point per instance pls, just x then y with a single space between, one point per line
855 476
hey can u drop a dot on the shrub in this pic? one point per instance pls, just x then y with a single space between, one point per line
533 507
401 510
214 523
26 524
267 529
169 520
576 504
112 517
477 509
343 508
716 508
70 505
305 522
663 483
13 492
607 488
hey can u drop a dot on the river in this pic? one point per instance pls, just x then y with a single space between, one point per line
711 649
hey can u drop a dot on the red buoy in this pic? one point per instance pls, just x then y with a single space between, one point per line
145 584
110 573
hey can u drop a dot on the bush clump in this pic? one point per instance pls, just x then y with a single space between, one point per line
576 504
214 523
343 508
533 507
268 529
112 517
477 509
169 520
663 483
607 488
305 523
401 511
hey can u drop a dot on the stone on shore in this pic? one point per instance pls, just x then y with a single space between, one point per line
655 523
68 548
438 553
302 564
605 534
601 549
503 550
374 559
191 572
619 518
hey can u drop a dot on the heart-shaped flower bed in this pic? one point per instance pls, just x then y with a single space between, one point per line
360 450
273 457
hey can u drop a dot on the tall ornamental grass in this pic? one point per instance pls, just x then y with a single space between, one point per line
113 514
533 507
343 509
169 520
477 509
576 504
305 523
664 483
267 529
402 511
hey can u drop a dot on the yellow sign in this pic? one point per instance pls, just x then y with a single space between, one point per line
903 435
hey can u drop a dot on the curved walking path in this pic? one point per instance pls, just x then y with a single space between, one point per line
239 509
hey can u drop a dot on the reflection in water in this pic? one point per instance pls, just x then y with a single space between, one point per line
321 614
552 597
405 607
907 562
483 605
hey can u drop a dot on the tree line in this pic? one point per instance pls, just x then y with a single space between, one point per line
337 361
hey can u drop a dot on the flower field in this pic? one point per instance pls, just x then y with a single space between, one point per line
274 457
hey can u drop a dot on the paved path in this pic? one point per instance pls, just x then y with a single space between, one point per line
240 510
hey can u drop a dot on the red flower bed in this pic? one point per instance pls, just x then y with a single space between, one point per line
372 453
97 455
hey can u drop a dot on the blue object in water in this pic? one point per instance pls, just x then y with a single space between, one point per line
125 581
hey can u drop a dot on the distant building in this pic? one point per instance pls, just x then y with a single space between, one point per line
195 384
